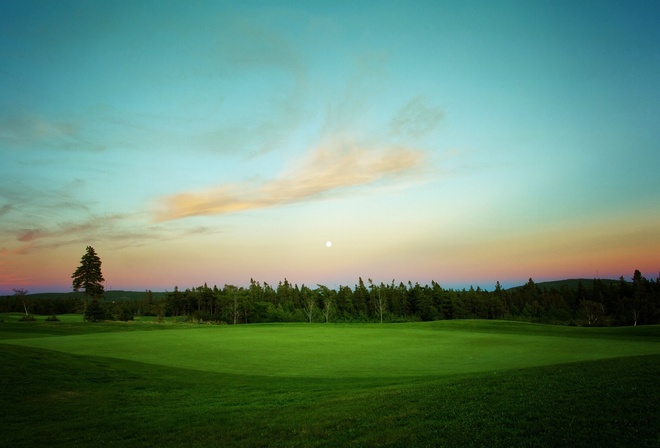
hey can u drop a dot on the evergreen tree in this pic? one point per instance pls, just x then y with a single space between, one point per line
360 298
637 303
345 302
88 275
96 311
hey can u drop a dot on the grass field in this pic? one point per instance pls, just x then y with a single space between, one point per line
445 383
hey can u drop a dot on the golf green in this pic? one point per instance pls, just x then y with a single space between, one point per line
355 350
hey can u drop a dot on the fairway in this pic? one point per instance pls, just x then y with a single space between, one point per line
468 383
432 349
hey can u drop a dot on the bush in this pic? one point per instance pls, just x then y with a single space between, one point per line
201 317
96 311
52 318
27 318
125 315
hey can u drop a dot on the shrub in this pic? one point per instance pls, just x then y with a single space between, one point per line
96 311
27 318
201 317
52 318
125 315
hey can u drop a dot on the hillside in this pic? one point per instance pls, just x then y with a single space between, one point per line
570 284
112 296
118 295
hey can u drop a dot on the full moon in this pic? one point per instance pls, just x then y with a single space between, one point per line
328 244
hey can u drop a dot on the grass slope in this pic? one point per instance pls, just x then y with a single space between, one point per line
352 350
57 391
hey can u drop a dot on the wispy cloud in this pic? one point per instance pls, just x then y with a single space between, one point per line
30 206
21 130
37 218
27 235
331 169
5 209
416 118
58 235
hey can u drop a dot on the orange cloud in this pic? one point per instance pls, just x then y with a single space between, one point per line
122 230
326 170
28 235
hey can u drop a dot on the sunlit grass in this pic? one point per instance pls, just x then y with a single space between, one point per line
349 350
462 383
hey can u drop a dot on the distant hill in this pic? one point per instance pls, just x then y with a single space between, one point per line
570 284
130 295
118 295
111 296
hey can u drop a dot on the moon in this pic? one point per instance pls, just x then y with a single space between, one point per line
328 244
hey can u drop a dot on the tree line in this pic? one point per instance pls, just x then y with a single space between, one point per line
601 303
595 303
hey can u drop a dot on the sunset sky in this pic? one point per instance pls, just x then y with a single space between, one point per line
461 142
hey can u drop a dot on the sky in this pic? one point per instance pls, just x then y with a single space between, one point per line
455 141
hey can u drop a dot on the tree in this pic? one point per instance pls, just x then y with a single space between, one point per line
88 276
379 297
234 302
327 296
360 297
637 302
22 295
592 311
309 302
95 312
497 303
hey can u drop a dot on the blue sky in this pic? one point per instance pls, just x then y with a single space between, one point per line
192 142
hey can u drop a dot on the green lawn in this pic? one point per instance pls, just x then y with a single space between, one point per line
349 350
446 383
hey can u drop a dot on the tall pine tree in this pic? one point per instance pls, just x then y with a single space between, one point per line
88 276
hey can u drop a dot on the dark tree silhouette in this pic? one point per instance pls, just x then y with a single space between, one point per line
22 295
88 276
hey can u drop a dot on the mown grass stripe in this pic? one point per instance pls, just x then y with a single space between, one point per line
356 350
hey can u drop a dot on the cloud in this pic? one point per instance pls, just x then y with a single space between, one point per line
37 219
21 130
118 229
416 119
5 209
327 170
30 207
95 228
26 236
